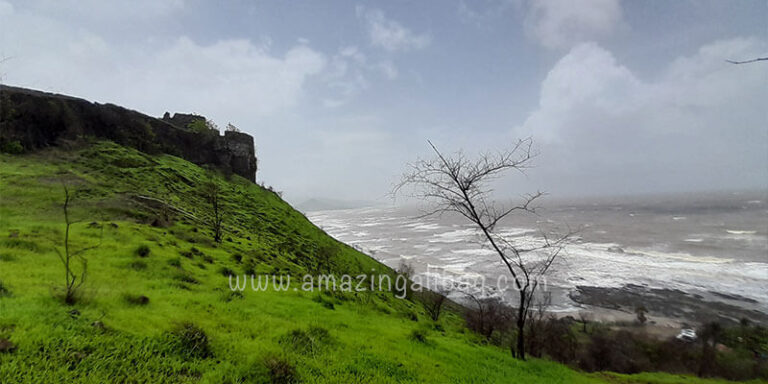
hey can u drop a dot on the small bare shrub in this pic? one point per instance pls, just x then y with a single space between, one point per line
136 299
418 335
281 371
143 250
191 341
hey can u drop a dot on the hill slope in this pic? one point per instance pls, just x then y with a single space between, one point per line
157 305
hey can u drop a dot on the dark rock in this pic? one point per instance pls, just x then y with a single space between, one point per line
37 119
734 297
672 303
137 300
160 223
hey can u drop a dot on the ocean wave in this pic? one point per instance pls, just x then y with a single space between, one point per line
738 232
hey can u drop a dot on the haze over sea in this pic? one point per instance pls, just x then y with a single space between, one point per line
703 244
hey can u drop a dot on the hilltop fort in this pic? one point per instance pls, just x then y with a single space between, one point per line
31 119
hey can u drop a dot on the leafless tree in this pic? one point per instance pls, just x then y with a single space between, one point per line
709 335
584 318
640 311
537 324
432 301
74 279
212 194
487 314
460 185
406 271
325 259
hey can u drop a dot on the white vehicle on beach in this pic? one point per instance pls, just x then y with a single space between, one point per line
688 335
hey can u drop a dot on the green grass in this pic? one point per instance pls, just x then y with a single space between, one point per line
147 285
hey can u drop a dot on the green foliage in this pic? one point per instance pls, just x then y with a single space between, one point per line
12 147
203 126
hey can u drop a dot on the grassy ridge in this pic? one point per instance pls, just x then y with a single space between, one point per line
140 308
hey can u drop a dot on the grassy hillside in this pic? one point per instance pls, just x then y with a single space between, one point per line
157 308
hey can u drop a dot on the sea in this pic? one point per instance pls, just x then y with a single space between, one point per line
697 243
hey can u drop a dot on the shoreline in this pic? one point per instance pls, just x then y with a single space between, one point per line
665 306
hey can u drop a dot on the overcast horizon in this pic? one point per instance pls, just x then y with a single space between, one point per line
620 97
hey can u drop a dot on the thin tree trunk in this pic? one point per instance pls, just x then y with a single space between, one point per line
521 327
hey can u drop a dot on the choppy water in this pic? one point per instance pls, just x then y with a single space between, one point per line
697 244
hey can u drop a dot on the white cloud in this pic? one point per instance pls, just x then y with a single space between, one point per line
389 34
563 23
388 69
6 8
226 76
105 10
345 77
348 73
598 120
481 12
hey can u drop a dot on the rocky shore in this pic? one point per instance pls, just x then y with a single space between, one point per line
671 303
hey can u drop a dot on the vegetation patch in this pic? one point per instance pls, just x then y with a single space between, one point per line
186 277
306 342
143 250
22 244
281 370
137 265
136 299
418 335
191 341
4 291
365 363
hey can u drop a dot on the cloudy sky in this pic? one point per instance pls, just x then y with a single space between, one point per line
620 97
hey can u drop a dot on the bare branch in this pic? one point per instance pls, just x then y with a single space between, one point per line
748 61
458 184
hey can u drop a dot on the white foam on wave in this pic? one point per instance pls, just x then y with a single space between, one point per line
422 227
474 252
592 264
679 256
515 232
458 268
694 240
738 232
456 236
